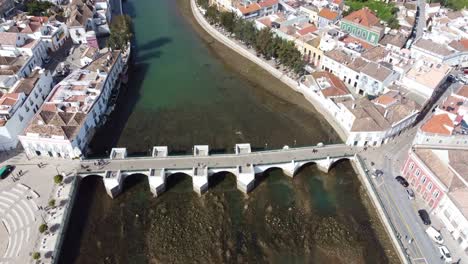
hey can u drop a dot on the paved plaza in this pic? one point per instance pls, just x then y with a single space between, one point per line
24 207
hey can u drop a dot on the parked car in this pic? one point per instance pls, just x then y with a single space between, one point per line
424 217
445 254
402 181
410 194
434 235
5 171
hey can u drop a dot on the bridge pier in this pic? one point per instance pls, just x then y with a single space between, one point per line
157 181
245 178
324 164
200 180
113 183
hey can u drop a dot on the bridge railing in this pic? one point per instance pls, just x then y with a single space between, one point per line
260 152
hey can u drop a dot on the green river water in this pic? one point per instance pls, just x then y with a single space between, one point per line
186 89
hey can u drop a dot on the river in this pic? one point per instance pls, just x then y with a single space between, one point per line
187 89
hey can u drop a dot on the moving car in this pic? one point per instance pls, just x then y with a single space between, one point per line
434 235
410 194
402 181
445 254
5 171
424 217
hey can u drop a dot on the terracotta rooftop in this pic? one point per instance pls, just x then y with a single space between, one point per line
363 17
463 91
8 38
336 86
459 45
249 8
438 124
328 14
306 30
268 3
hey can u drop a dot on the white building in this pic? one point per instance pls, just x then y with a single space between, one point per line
88 19
374 78
447 127
67 121
372 123
19 106
52 32
439 53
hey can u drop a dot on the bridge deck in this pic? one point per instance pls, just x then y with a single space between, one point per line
222 160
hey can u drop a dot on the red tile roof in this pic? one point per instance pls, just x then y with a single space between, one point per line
364 17
463 91
438 124
268 3
328 14
307 30
249 8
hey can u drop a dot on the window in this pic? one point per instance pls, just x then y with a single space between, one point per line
417 172
436 194
423 179
36 95
429 186
411 166
31 102
21 118
27 108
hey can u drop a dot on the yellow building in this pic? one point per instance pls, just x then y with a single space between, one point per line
309 46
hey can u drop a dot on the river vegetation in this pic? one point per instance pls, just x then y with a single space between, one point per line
120 32
265 43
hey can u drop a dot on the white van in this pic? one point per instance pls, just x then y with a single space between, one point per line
435 235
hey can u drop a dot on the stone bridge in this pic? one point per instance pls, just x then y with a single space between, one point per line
244 164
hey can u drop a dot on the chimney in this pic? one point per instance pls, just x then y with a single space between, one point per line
353 106
385 113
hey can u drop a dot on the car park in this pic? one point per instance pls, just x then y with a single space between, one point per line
410 193
5 171
402 181
445 254
434 235
424 217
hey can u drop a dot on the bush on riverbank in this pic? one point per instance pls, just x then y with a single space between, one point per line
43 228
120 32
36 255
263 41
58 178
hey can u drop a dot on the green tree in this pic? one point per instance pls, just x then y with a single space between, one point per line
393 23
264 43
43 228
203 3
58 178
38 8
228 21
52 202
120 32
36 255
212 15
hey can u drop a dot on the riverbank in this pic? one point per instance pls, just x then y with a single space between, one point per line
268 71
255 74
293 85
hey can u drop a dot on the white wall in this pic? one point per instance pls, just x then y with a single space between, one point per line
448 213
21 118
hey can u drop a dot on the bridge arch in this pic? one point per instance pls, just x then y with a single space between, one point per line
216 178
304 165
338 161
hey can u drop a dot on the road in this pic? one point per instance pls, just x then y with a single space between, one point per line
402 211
421 21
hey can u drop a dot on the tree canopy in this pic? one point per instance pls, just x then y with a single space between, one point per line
263 41
38 8
120 32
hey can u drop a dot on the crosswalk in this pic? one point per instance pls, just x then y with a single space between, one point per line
18 215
